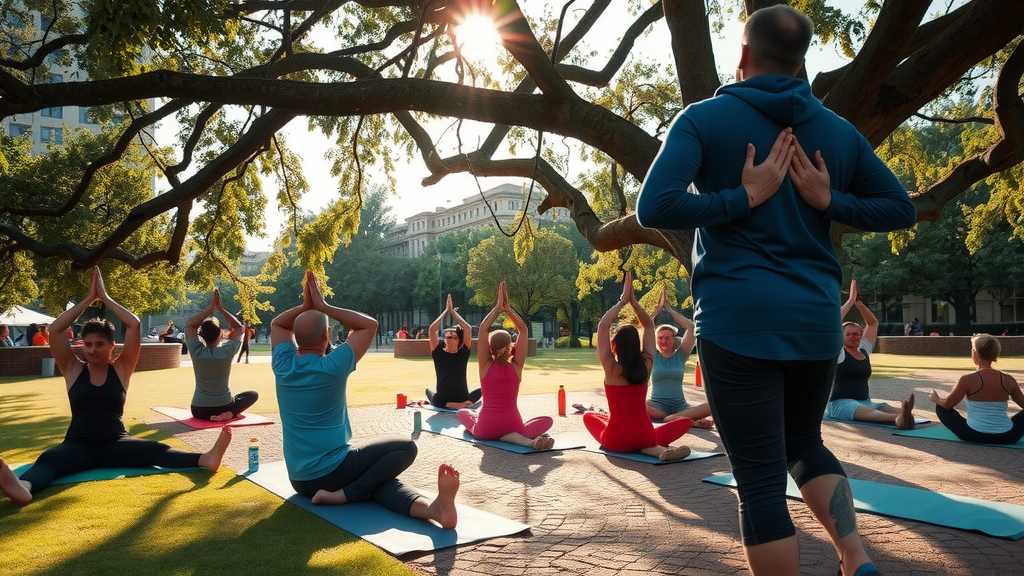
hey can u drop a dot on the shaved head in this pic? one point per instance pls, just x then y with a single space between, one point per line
310 329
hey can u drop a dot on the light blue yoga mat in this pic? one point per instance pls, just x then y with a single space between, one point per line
962 512
448 425
917 422
432 408
943 433
396 533
106 473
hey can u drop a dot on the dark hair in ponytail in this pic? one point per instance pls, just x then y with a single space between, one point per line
627 350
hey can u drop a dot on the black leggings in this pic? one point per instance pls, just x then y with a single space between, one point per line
243 350
441 402
958 425
768 413
370 472
241 403
73 456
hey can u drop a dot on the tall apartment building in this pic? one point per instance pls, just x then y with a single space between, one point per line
417 232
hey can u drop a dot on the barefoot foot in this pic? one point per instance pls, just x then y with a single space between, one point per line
12 487
211 460
222 417
543 442
905 419
673 453
335 498
442 509
705 423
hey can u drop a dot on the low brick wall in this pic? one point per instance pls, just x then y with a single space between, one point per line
418 348
27 360
943 345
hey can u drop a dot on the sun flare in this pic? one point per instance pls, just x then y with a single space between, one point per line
478 38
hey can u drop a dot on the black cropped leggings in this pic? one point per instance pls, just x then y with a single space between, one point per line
768 413
370 473
72 456
241 403
442 402
957 424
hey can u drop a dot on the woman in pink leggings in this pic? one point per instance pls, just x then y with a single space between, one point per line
501 370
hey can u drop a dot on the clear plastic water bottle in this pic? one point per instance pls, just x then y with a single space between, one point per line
254 455
417 424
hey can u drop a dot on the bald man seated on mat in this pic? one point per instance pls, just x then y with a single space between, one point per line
314 415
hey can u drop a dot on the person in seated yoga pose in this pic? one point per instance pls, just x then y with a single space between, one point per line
211 362
850 398
450 360
667 401
314 417
501 371
986 392
96 437
627 367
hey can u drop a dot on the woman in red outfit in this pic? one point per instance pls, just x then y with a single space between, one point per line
627 368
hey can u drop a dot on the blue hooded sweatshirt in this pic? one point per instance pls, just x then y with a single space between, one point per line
765 281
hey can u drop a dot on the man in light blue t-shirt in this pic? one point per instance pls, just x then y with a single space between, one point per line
314 414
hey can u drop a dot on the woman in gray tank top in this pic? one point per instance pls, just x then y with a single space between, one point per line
211 361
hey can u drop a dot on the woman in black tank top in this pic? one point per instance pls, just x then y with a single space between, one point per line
451 358
96 437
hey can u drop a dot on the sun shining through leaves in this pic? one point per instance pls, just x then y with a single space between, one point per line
479 39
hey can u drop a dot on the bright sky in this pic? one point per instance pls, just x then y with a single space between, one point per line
410 197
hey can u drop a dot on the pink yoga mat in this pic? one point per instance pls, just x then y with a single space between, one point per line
185 417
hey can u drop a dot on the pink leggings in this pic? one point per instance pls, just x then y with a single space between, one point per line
495 425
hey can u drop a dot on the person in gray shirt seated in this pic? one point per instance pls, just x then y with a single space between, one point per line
211 360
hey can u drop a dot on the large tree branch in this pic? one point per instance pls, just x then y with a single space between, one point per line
890 39
1006 152
518 38
45 50
691 49
627 143
603 76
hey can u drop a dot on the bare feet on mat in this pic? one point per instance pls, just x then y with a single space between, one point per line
222 417
705 423
442 509
905 419
673 453
12 487
211 460
335 498
543 442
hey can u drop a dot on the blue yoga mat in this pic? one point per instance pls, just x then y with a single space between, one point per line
917 422
943 433
962 512
106 473
393 532
448 425
589 445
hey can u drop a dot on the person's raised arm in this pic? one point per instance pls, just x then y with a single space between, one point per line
604 337
689 337
435 326
132 345
483 344
870 321
192 324
665 200
522 347
59 347
361 328
648 337
234 324
467 330
850 301
282 325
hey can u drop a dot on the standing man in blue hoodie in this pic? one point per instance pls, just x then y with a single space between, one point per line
772 169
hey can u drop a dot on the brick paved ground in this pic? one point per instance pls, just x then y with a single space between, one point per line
597 516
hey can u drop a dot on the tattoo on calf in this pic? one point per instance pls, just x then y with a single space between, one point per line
841 509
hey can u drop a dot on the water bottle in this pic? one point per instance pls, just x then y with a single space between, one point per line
698 377
561 400
417 424
254 455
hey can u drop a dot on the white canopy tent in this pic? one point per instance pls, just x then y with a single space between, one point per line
19 316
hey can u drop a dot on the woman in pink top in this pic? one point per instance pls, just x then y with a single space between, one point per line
501 370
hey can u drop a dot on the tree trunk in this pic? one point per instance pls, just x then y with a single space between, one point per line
574 315
963 305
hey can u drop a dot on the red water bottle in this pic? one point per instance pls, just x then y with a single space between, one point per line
561 400
698 378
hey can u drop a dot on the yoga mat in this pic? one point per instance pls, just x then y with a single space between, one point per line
448 425
185 417
589 445
943 433
962 512
432 408
105 473
917 422
393 532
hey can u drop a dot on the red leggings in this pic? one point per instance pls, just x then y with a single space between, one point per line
633 439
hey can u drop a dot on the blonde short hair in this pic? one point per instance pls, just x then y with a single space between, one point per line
987 346
675 331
